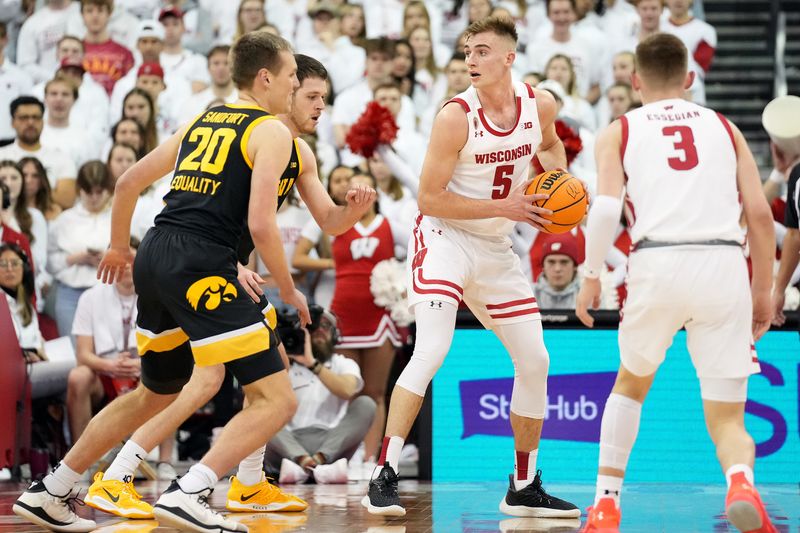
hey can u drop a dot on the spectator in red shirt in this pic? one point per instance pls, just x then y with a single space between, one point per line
105 59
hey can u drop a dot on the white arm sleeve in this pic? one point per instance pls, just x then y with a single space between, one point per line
399 168
603 219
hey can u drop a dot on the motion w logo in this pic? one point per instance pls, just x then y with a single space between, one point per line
363 247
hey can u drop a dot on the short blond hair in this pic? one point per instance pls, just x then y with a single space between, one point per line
498 25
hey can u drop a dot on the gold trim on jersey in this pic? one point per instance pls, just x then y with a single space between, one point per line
246 106
231 345
246 137
299 157
147 341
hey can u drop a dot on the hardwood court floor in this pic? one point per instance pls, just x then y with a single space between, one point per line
459 507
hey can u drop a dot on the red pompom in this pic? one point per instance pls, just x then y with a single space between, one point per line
571 141
374 127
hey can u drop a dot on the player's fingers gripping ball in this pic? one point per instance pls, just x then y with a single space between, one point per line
567 199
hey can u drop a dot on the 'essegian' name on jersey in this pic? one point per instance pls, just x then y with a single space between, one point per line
671 117
194 184
504 155
218 117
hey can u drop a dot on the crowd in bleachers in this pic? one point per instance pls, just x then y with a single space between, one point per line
87 88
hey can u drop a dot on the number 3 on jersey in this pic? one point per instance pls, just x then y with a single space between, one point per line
501 185
207 142
684 141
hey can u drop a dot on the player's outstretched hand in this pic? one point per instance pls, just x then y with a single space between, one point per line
762 313
298 300
114 263
519 207
360 198
778 299
588 297
250 281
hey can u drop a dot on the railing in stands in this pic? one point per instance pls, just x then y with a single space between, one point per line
778 45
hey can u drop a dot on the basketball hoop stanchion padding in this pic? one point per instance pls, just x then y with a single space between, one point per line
15 396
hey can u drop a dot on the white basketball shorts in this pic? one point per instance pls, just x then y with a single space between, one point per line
704 289
446 264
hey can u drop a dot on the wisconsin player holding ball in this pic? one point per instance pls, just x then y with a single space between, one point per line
472 192
684 169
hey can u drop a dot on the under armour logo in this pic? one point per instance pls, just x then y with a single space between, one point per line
436 305
479 133
437 231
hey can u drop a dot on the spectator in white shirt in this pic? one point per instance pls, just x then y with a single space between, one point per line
121 157
37 188
104 329
36 45
649 21
620 100
177 59
331 421
150 79
27 118
24 219
78 238
700 39
416 15
409 144
559 68
351 103
16 281
138 105
249 17
457 81
15 82
479 10
622 69
587 62
428 77
60 95
404 68
128 131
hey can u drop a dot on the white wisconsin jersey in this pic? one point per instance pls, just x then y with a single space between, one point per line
493 162
680 165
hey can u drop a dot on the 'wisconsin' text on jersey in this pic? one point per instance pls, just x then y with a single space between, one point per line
501 156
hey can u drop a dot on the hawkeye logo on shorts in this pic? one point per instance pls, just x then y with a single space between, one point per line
214 289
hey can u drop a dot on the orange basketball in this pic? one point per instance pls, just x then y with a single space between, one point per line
567 199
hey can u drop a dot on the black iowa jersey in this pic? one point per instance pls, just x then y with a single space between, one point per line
210 190
287 181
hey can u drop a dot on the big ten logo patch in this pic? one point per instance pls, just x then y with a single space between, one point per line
363 247
210 292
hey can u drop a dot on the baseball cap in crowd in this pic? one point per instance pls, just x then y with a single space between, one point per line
68 62
170 12
150 69
564 244
322 7
150 28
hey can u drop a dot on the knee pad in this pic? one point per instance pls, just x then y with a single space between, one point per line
731 390
435 328
529 397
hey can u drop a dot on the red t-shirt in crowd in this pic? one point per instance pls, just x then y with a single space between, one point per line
107 62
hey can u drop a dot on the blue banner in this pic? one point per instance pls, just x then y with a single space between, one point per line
472 396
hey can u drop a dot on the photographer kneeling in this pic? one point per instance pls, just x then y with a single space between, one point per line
330 422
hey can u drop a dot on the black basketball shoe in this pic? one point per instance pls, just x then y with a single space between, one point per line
534 501
382 498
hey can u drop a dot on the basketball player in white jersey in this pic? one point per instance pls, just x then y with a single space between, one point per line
471 194
683 168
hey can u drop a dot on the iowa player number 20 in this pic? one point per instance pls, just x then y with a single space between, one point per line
213 146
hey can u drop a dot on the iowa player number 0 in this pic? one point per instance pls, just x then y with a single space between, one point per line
213 145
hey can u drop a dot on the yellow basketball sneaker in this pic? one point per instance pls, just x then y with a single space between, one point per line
263 497
118 498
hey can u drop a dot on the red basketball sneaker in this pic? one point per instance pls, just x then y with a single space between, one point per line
744 507
603 517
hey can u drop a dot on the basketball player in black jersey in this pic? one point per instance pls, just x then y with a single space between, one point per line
229 161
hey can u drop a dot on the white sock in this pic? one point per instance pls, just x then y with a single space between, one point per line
250 468
735 469
524 468
61 481
126 462
608 487
198 477
618 430
390 451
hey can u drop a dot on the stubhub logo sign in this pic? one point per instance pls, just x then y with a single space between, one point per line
574 406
